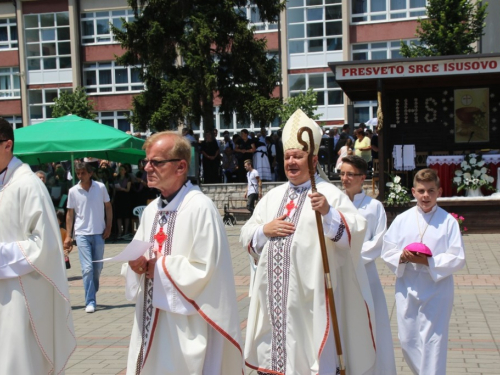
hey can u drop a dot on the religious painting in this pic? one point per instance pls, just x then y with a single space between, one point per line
472 115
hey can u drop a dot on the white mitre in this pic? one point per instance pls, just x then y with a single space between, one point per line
290 132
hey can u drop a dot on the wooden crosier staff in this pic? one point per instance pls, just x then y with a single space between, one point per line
326 266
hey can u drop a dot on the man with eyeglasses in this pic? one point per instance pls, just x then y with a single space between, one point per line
36 326
289 328
186 316
353 174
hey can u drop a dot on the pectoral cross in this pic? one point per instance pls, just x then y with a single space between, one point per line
160 237
289 207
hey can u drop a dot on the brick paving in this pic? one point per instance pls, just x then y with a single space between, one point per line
474 347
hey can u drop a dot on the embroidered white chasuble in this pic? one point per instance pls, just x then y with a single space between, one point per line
36 325
289 329
188 323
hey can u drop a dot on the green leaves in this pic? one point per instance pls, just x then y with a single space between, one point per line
451 28
75 103
307 102
195 52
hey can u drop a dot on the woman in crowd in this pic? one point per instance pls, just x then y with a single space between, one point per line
122 206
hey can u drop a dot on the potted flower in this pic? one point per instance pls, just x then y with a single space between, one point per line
397 194
473 175
460 220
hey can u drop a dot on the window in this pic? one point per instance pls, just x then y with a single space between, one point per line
111 77
48 45
8 33
96 25
383 10
364 111
251 12
324 84
15 121
115 119
379 50
41 102
314 26
9 83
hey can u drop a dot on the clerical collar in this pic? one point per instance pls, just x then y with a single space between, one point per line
433 209
305 184
3 170
166 200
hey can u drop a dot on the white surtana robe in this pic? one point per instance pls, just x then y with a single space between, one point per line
376 219
36 324
424 294
289 329
189 322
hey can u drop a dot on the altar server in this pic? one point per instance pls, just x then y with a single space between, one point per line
186 318
424 247
36 325
353 174
289 329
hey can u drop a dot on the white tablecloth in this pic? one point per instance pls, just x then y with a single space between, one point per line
457 159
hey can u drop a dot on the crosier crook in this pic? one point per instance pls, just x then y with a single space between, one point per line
324 255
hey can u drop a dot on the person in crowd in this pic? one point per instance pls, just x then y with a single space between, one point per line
344 150
271 156
36 325
261 160
122 204
42 176
280 161
289 329
189 134
424 247
229 165
88 203
211 159
186 316
254 185
353 174
245 149
362 146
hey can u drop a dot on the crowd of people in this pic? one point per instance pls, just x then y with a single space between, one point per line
222 159
186 319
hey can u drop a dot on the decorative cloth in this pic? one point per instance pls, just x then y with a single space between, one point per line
404 157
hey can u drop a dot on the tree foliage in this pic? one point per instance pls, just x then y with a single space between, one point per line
74 103
306 101
451 28
193 51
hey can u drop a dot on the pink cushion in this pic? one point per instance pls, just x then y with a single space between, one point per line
417 247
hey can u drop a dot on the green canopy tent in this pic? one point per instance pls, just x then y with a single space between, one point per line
70 137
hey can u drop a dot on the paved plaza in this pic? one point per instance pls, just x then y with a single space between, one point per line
103 337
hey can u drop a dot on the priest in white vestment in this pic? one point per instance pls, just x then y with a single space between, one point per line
186 319
36 324
424 284
353 174
289 329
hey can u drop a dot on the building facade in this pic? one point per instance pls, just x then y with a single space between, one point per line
49 46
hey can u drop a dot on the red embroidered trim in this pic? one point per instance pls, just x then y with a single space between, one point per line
370 323
203 315
151 339
327 331
263 369
346 226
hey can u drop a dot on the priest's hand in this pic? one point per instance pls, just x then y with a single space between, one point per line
319 203
279 227
139 266
417 258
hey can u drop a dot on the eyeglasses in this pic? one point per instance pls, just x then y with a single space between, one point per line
156 163
349 174
4 140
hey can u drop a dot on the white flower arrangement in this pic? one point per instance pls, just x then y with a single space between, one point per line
473 174
397 194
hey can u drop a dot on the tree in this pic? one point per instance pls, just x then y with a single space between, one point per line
451 28
193 51
306 101
74 103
